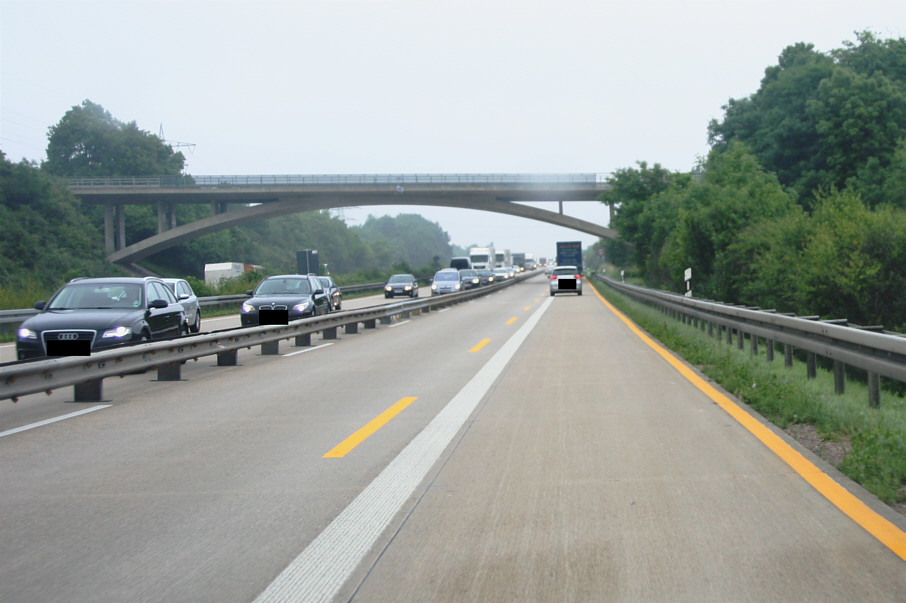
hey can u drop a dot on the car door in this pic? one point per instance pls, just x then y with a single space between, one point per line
164 322
322 300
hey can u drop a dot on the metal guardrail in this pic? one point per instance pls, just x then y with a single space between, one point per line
880 354
342 179
86 373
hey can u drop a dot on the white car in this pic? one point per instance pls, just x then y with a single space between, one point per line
566 279
186 296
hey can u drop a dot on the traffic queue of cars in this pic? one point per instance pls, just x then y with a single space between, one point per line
92 314
451 280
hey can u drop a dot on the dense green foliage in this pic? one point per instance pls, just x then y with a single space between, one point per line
801 203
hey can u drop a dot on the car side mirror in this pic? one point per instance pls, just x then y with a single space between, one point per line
183 296
249 292
319 291
40 305
158 304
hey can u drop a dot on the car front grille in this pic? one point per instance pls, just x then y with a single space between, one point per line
68 335
274 307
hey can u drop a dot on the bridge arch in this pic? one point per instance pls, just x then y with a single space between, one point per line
272 196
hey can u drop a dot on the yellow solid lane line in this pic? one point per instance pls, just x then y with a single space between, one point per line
346 446
512 320
886 532
480 345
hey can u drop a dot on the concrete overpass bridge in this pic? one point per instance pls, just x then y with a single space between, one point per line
237 200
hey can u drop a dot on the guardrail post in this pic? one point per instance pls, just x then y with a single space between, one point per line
271 348
330 333
754 339
787 355
729 335
386 320
303 340
228 358
874 390
352 327
88 391
769 350
170 371
839 377
811 371
740 339
370 324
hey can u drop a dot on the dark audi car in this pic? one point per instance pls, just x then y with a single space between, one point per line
299 295
90 314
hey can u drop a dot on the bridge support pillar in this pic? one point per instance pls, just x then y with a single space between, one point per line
120 226
166 216
109 222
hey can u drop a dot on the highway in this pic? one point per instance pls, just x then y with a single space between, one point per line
516 447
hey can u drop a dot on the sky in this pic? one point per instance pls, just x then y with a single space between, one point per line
412 87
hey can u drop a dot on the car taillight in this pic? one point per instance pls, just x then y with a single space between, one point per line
553 277
578 277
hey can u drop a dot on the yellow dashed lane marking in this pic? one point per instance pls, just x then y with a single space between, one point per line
480 345
346 446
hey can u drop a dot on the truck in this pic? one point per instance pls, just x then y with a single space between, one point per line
519 260
502 258
529 261
569 253
482 258
214 274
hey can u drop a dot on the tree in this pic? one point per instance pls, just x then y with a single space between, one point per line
89 142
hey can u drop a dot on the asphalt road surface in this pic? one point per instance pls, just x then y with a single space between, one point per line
513 448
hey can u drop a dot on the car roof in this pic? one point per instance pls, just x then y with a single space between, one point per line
115 279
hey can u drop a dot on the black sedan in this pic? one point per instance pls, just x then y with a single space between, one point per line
283 298
91 314
401 284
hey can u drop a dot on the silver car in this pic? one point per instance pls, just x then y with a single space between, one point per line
566 279
186 296
446 281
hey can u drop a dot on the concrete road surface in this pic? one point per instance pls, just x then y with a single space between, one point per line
513 448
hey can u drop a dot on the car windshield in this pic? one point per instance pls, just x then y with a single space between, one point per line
86 296
284 286
446 276
400 278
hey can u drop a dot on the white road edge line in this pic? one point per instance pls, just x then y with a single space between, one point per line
321 570
54 420
317 347
396 324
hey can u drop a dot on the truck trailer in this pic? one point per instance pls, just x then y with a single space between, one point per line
569 253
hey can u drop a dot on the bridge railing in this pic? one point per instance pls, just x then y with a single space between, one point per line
879 354
326 179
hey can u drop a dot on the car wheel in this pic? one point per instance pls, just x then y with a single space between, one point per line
580 293
197 326
552 294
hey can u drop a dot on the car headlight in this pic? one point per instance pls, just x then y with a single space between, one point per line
388 288
408 287
27 334
118 332
434 286
246 308
457 286
301 307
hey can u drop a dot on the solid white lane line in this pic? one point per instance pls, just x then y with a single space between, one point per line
54 420
396 324
320 571
317 347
